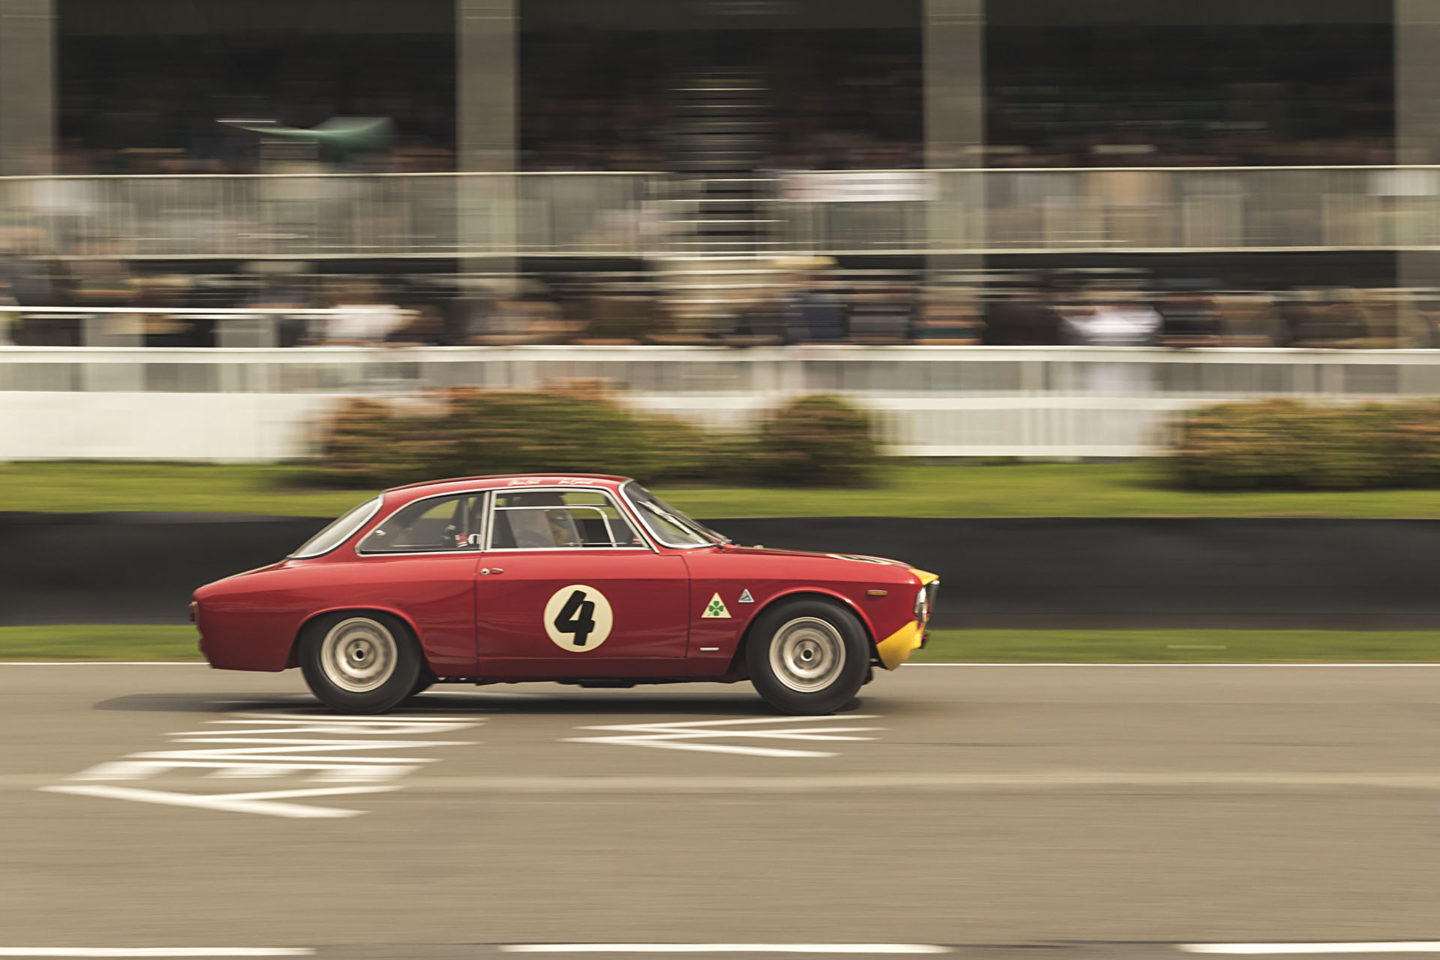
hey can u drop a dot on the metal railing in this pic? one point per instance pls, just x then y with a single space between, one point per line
255 404
1041 210
1154 209
316 216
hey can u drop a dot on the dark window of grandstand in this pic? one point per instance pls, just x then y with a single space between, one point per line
752 85
1106 83
143 83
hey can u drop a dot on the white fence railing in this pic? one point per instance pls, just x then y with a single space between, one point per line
1103 209
643 213
315 216
259 404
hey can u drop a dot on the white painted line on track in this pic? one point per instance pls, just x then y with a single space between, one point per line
1166 663
1272 949
860 948
102 663
261 803
682 734
120 952
272 747
1000 782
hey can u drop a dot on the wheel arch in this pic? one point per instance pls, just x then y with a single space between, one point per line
737 660
293 659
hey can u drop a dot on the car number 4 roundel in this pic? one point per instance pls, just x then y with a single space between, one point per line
578 618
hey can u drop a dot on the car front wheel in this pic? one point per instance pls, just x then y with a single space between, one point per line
360 662
807 657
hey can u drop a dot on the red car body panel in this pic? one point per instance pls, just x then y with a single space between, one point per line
770 575
481 614
649 594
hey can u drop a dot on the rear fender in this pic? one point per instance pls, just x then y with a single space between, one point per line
294 659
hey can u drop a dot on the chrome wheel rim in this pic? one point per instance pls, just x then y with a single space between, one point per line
358 655
807 654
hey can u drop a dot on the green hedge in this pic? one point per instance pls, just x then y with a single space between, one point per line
1283 444
813 441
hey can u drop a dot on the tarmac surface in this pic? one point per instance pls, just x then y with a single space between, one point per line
981 811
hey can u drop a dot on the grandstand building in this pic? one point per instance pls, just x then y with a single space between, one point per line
602 174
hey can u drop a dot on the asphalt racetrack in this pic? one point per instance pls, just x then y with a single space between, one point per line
982 811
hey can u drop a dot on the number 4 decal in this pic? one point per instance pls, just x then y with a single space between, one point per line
578 618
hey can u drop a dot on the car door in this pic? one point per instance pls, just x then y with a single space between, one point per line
421 562
568 588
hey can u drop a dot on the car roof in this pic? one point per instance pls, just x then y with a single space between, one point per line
427 488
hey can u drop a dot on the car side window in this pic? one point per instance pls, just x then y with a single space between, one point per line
434 525
559 520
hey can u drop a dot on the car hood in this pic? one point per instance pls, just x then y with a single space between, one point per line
924 576
773 552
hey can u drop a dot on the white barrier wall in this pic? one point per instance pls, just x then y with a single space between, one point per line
262 404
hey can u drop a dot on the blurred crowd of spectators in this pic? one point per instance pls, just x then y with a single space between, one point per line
1197 95
591 100
793 301
152 105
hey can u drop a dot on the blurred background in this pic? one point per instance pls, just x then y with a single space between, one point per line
271 199
1121 316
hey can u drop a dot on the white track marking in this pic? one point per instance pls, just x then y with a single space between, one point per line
257 747
1164 663
262 803
1269 949
682 735
862 948
120 952
976 783
102 663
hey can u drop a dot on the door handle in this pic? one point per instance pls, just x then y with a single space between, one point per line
486 571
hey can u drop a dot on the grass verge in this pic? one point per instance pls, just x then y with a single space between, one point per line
99 642
1179 646
109 642
1129 489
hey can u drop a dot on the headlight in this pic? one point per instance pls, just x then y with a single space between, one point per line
925 601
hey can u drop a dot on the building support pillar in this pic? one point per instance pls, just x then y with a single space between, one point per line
1417 141
487 85
954 135
27 87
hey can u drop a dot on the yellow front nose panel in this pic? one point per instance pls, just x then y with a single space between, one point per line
896 648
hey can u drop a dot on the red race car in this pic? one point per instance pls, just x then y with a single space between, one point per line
590 580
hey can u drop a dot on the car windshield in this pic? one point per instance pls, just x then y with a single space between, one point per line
339 530
668 525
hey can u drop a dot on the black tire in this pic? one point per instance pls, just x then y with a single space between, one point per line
425 682
360 662
807 657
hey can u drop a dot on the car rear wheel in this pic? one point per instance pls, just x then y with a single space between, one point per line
360 662
807 656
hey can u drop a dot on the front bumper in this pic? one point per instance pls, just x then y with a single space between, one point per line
896 648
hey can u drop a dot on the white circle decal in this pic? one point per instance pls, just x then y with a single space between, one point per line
578 618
